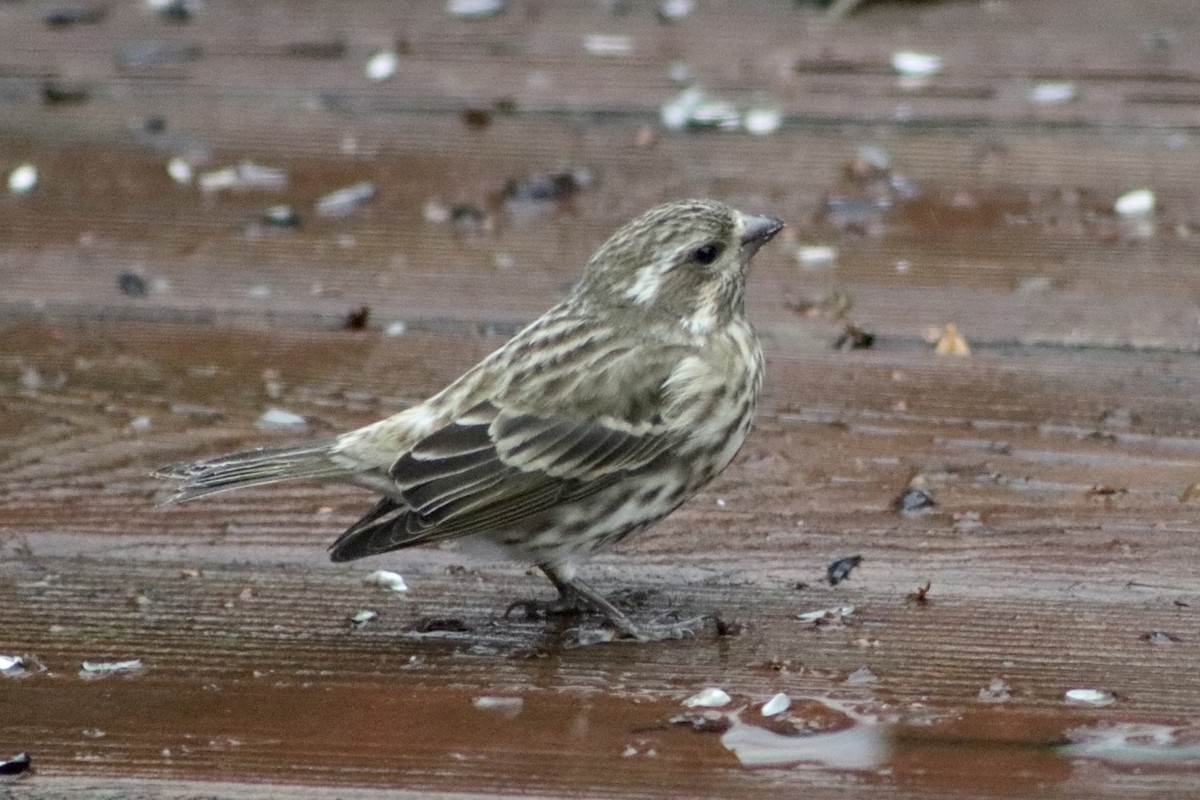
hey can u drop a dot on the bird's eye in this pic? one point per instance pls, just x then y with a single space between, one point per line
707 253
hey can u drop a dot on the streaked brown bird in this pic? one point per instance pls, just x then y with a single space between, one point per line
592 423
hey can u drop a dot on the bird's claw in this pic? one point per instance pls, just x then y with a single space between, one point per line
535 610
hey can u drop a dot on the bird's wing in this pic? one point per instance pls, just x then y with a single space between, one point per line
499 464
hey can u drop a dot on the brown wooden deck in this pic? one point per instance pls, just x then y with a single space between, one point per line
1063 453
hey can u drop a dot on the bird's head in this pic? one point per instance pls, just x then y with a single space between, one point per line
686 259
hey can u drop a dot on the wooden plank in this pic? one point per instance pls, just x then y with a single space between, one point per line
1061 454
1080 547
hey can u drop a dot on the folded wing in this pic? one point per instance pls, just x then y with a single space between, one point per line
494 468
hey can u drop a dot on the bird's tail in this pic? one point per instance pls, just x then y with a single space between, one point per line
263 465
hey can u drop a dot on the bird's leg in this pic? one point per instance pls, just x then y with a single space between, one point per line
574 597
575 593
568 601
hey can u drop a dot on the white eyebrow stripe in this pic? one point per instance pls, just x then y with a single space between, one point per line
648 280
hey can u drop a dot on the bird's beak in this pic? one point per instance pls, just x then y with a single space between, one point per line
757 231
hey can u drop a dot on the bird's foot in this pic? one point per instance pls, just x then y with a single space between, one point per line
641 631
533 610
577 597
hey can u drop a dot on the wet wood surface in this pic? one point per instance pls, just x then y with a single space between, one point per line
1062 454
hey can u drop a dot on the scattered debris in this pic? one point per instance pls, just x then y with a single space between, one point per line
726 627
1118 418
177 11
827 617
1105 491
23 179
1138 203
246 595
31 379
436 212
1034 284
921 595
675 10
692 108
277 418
870 160
1191 493
68 16
475 9
197 412
711 697
816 256
840 570
552 187
362 617
998 691
153 125
442 625
19 763
834 305
912 64
344 201
465 218
281 216
397 328
853 337
681 72
180 170
1159 638
63 94
916 499
477 119
951 343
1053 93
762 119
357 319
132 285
703 721
776 705
861 676
11 665
243 177
508 707
609 45
868 191
967 521
98 668
1090 697
836 9
386 580
140 424
382 66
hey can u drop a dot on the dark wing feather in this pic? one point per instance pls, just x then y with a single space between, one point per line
363 537
493 469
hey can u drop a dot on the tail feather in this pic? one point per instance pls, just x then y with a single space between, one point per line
258 467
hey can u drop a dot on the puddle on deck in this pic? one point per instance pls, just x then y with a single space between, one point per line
401 733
